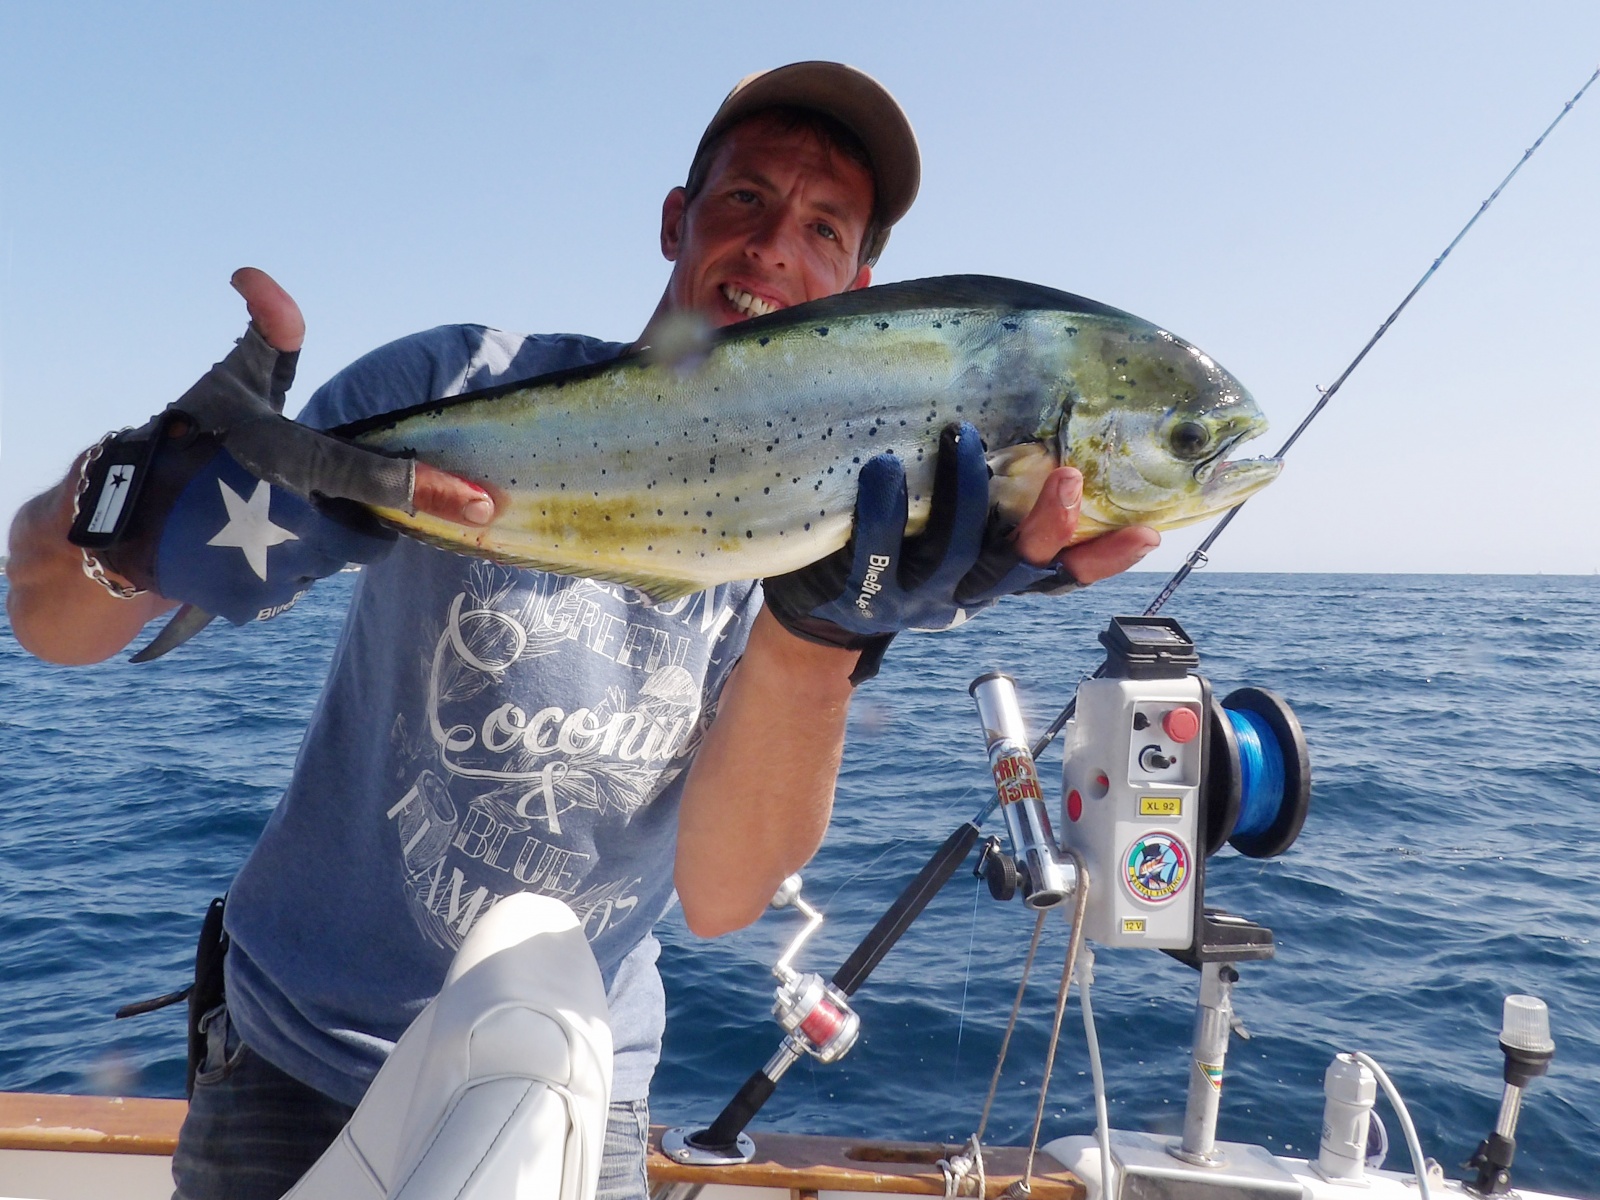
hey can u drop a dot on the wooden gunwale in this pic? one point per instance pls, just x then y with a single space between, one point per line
98 1124
797 1163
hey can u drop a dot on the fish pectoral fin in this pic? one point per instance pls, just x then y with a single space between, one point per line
1019 474
1090 527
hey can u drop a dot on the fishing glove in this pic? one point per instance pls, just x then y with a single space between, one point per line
883 582
226 505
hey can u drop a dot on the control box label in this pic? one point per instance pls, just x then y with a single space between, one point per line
1160 806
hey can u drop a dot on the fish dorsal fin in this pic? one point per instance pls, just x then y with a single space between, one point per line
940 291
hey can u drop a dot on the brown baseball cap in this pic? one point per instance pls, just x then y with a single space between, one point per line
856 100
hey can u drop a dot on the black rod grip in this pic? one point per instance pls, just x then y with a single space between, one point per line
906 908
724 1132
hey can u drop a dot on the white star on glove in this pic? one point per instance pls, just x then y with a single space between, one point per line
249 527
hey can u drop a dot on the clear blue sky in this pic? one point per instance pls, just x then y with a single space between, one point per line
1264 179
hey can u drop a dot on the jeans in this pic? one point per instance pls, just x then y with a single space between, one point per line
252 1131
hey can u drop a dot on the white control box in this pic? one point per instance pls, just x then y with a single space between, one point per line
1131 806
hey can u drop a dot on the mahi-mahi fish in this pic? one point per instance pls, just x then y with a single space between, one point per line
671 476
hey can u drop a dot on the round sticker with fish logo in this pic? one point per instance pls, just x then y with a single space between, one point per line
1157 867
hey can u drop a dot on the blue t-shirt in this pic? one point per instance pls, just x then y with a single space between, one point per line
483 730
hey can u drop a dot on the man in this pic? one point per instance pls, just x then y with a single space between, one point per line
486 729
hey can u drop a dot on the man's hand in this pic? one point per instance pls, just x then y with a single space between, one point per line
883 582
1045 535
223 503
277 317
61 615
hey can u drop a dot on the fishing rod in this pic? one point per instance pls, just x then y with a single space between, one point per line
1198 556
816 1014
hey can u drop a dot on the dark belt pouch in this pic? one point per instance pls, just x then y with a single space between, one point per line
207 991
203 995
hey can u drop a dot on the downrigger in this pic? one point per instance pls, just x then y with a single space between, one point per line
1158 776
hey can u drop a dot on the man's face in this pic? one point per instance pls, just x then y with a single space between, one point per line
779 221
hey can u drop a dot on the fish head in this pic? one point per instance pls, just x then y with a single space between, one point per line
1150 423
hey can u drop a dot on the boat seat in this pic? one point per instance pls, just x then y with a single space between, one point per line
499 1088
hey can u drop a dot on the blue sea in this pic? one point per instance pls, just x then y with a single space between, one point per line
1451 856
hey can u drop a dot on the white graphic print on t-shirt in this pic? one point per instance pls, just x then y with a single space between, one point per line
505 794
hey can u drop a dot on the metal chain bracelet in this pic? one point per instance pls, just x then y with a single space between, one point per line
91 565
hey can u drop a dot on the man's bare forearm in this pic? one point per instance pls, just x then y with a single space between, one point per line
760 792
57 612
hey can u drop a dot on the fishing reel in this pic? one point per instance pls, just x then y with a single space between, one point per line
817 1019
815 1014
1158 776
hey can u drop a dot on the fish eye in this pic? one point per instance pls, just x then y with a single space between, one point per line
1189 439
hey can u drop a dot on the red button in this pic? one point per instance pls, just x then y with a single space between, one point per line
1074 805
1181 725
